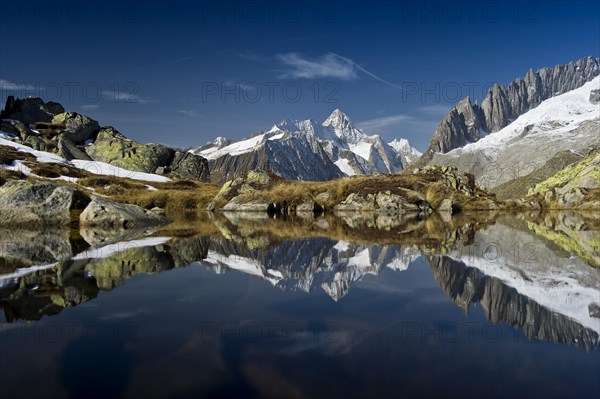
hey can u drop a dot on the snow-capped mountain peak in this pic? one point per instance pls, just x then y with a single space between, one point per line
406 152
348 150
343 129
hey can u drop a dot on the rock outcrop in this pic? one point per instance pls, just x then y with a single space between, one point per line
76 128
576 186
467 123
112 147
38 203
30 110
105 213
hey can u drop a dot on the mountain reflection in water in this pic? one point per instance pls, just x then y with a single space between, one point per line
538 274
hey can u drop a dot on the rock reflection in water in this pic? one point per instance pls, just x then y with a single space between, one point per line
520 270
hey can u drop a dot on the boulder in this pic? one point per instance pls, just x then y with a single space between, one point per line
252 182
38 203
112 147
355 202
306 207
392 204
30 110
17 128
104 213
68 150
37 143
595 96
445 206
236 205
190 166
77 128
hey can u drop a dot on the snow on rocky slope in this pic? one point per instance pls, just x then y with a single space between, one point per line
338 148
570 121
98 168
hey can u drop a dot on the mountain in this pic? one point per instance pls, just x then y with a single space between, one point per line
308 150
468 122
407 153
533 143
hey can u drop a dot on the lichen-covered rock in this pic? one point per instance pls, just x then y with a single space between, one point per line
191 166
38 203
355 202
230 191
37 143
68 150
392 204
17 128
236 205
77 128
570 187
112 147
30 110
104 213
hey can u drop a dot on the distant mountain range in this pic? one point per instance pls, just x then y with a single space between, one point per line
308 150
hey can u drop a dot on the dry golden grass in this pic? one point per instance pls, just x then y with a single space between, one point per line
54 170
9 154
296 192
178 204
436 192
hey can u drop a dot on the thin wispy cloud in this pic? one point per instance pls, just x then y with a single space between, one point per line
128 98
367 72
192 113
384 121
89 107
327 66
330 65
6 85
436 110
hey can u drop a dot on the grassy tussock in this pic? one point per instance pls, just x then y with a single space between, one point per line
296 192
8 155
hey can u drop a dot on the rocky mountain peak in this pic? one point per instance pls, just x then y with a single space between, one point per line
465 122
337 119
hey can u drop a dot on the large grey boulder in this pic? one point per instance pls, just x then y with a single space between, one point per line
38 203
77 128
104 213
188 165
17 128
30 110
355 202
112 147
236 205
68 150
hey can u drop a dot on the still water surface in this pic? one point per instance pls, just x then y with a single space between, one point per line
494 306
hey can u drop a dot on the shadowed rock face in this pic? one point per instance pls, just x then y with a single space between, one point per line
295 158
30 110
467 286
466 122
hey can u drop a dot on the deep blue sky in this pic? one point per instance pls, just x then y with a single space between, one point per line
183 73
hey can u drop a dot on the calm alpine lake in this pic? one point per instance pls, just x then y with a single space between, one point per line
351 306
